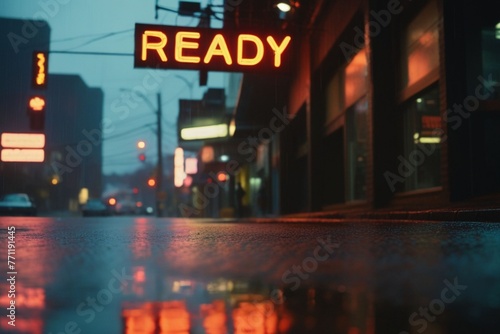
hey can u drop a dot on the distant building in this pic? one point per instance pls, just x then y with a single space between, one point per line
19 40
73 114
74 139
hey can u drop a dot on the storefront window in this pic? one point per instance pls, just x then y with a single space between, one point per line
490 41
422 141
334 98
355 89
347 107
355 78
357 148
421 47
422 121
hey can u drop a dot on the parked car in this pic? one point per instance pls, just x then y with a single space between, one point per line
17 205
95 207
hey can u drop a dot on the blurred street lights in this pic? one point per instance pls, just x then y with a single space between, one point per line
160 195
141 144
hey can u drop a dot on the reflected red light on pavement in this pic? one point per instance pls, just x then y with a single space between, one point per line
141 318
31 301
255 318
139 275
214 317
174 318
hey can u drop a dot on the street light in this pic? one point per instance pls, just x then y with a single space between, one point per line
284 6
141 144
159 171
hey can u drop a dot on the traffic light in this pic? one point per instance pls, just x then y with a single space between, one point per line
221 177
36 112
142 157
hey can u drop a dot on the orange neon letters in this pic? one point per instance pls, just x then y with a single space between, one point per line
181 44
278 49
190 48
260 50
218 47
40 77
158 46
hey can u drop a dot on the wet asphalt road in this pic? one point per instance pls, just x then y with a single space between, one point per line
149 275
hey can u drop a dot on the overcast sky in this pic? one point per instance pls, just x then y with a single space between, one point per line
108 26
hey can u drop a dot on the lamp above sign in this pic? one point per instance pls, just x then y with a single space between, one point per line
170 47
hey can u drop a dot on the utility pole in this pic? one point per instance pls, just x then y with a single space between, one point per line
159 171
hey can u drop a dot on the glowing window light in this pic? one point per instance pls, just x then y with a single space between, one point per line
83 196
232 127
179 174
191 166
205 132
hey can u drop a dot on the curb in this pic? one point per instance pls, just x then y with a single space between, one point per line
459 215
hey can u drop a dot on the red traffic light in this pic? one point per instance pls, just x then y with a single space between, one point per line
222 177
142 157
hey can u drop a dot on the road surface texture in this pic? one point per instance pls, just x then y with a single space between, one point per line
149 275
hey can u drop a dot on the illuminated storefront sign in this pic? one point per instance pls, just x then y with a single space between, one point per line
40 62
22 155
22 147
170 47
23 140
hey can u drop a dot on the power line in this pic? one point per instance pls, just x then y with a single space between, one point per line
90 35
101 38
143 127
92 53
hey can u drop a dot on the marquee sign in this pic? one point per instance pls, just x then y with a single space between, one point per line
170 47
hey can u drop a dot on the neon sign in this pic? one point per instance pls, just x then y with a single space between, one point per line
39 69
22 140
22 147
171 47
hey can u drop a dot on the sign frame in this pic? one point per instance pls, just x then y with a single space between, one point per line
204 49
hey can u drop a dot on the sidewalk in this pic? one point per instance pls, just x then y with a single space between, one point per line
484 209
